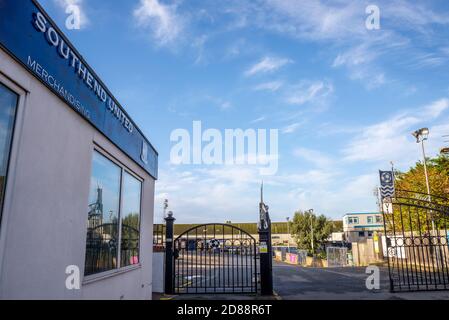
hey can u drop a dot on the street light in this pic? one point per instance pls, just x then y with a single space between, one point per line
288 234
422 135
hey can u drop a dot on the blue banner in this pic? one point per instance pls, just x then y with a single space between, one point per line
386 184
32 38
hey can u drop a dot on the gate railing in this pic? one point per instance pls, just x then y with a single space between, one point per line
159 237
215 258
417 241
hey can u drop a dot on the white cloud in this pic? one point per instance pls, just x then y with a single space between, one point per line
341 25
314 19
262 118
435 109
413 16
391 139
316 157
310 92
269 86
218 194
225 105
165 24
209 194
267 64
291 128
355 56
64 4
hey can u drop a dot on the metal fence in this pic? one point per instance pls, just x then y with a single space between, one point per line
159 237
302 257
416 241
337 257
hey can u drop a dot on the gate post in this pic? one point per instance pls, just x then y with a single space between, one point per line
265 249
266 262
169 265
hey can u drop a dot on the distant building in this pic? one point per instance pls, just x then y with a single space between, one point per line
360 226
336 237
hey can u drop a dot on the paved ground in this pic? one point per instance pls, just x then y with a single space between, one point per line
299 283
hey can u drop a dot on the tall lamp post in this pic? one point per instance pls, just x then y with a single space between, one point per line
288 234
422 135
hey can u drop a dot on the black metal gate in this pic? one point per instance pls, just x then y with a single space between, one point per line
215 258
416 241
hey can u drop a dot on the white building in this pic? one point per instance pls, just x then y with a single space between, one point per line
77 175
360 226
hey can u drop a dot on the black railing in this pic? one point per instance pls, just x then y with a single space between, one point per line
159 235
215 258
417 245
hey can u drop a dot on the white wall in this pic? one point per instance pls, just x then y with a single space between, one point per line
158 272
43 229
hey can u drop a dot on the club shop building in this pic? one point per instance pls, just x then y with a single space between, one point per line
77 175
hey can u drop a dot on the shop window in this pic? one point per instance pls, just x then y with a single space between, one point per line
361 234
111 187
8 108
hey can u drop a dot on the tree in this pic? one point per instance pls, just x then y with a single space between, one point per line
337 226
301 230
414 179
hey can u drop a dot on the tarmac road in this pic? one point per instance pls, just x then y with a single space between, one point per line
299 283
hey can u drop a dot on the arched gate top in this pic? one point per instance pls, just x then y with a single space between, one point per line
215 224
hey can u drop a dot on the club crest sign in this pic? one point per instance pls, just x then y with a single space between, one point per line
386 184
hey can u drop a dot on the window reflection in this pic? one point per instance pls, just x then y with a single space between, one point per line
8 106
130 220
103 216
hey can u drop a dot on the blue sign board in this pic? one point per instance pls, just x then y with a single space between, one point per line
32 38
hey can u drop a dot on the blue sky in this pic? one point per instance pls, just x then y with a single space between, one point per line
343 97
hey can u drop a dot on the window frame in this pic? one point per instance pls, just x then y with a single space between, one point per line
353 220
123 168
128 171
21 96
